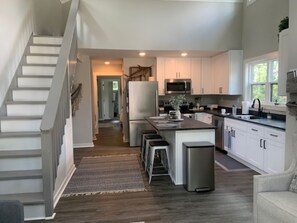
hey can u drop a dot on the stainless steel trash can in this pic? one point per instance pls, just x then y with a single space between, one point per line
198 166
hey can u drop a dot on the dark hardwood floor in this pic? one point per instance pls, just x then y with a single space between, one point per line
162 202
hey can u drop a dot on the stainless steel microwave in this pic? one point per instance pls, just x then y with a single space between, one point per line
292 82
177 86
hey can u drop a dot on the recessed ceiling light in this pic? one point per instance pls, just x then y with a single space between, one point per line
106 62
184 54
142 54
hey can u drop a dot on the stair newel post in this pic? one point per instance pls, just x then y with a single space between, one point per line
47 169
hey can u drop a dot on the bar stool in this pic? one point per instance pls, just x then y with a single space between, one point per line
163 147
143 134
147 140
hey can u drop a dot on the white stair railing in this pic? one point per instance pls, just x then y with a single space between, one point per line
57 109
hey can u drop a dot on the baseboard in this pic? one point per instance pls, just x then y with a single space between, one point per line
83 145
60 191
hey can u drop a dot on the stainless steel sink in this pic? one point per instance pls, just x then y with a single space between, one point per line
247 117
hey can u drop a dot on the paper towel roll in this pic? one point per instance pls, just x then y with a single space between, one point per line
245 107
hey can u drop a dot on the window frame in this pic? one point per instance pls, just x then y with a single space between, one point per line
249 63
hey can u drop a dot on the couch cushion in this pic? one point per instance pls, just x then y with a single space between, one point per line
278 206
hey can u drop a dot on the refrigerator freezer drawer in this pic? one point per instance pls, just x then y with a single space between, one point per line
135 128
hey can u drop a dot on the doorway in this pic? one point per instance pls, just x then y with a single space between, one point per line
109 98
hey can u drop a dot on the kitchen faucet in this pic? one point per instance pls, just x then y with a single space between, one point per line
259 106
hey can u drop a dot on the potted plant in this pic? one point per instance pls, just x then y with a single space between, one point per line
176 102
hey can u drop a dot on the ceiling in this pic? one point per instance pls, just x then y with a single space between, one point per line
116 56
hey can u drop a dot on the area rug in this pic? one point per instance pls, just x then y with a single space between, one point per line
229 164
106 174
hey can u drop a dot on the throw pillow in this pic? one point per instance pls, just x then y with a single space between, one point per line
293 185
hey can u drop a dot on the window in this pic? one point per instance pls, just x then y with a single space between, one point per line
115 86
263 81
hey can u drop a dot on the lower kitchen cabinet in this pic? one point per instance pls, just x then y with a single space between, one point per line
262 147
237 132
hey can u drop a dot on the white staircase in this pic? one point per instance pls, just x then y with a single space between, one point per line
20 137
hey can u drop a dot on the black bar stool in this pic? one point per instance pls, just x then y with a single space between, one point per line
143 134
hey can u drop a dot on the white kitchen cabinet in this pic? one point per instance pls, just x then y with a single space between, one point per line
262 147
237 144
255 153
177 68
274 150
160 76
227 72
207 86
196 75
283 66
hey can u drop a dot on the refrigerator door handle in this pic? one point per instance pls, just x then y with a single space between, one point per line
157 103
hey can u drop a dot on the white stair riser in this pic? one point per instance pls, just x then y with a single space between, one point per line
25 109
38 70
34 82
45 49
24 163
42 60
21 186
30 95
20 143
47 40
20 125
34 212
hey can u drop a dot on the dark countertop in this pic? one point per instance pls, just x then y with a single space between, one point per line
278 124
185 124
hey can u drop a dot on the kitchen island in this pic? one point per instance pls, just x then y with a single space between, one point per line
176 132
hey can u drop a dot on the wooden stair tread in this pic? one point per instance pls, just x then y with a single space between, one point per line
26 198
47 45
20 174
31 88
35 76
38 65
25 102
19 134
20 153
23 117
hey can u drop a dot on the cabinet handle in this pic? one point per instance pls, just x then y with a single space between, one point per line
274 135
192 91
255 130
220 90
202 90
261 143
264 144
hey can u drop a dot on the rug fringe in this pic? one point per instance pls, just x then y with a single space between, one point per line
104 192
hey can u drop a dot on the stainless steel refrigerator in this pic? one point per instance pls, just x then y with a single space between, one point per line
142 102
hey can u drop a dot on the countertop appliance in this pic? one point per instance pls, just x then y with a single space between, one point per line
142 102
177 86
219 132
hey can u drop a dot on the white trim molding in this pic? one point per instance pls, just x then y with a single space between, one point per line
83 145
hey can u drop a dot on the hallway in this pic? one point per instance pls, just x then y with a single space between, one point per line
163 201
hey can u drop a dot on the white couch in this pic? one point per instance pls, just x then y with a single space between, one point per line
273 202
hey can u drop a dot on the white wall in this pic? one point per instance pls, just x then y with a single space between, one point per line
159 25
16 22
82 120
260 26
291 122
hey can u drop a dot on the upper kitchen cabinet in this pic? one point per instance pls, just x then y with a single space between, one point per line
283 67
207 86
177 68
160 76
227 72
196 75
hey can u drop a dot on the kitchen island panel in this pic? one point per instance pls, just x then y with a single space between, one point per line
176 140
